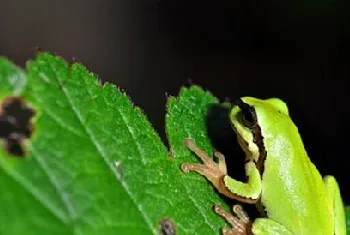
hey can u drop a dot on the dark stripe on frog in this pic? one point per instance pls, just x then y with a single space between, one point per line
259 141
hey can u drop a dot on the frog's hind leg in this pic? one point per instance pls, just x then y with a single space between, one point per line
240 224
337 203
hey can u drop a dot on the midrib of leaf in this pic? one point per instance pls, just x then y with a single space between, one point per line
100 150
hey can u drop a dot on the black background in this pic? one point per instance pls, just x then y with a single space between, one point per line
295 50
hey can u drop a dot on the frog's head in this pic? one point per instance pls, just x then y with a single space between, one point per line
249 116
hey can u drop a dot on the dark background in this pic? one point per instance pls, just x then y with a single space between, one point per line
295 50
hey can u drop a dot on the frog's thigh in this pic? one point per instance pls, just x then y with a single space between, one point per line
338 207
264 226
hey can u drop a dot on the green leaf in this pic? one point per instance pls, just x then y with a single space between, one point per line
191 115
12 79
94 164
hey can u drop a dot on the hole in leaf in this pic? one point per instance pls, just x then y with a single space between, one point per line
167 227
15 125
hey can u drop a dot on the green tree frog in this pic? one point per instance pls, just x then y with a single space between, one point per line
282 182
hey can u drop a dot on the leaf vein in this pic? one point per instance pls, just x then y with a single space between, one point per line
65 200
190 195
30 188
59 121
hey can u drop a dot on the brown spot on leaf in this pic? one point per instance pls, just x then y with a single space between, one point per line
171 154
166 227
118 167
15 125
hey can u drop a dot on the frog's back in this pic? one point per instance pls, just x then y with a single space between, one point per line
290 178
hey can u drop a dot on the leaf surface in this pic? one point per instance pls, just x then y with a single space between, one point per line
94 164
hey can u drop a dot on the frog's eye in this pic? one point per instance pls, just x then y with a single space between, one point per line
247 113
249 117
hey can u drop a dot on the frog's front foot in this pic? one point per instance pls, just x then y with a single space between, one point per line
213 171
240 224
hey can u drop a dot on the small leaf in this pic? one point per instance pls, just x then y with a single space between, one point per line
187 117
12 79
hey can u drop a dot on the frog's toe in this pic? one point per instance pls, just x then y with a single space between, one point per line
240 224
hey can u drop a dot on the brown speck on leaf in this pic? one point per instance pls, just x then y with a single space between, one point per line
171 154
61 84
118 166
15 125
166 227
